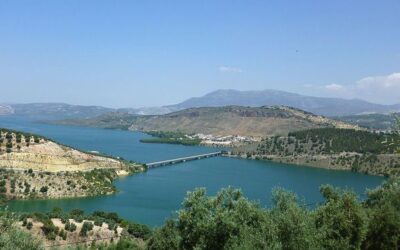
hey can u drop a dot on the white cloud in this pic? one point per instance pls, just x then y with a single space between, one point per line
379 89
389 81
333 87
229 69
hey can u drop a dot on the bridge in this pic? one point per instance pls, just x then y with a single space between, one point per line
182 159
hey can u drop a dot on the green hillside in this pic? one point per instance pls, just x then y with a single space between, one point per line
360 151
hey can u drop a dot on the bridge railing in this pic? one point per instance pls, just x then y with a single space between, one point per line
182 159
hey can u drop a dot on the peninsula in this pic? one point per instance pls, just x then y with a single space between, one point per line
34 167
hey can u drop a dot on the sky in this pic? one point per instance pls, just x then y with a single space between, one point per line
152 53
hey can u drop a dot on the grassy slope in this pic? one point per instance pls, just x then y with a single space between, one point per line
230 120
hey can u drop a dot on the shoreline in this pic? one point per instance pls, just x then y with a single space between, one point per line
299 164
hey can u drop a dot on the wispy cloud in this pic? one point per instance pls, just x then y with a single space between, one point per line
380 89
333 87
229 69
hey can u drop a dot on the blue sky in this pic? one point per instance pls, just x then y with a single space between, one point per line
149 53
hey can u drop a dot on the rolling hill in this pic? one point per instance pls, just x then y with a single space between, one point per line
371 121
57 110
317 105
229 120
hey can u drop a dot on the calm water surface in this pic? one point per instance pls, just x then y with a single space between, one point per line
153 196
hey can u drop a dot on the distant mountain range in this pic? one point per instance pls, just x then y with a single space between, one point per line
5 110
317 105
53 110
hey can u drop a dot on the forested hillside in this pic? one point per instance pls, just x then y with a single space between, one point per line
361 151
371 121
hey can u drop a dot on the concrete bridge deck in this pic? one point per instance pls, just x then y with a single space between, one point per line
182 159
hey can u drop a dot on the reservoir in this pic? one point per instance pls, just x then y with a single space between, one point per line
155 195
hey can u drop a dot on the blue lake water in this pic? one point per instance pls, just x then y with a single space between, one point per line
153 196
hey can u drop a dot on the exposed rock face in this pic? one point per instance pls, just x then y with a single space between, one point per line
34 167
49 156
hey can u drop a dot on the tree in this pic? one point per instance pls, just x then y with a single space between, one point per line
396 126
294 225
340 221
86 227
383 206
225 221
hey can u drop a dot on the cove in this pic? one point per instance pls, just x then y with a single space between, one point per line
153 196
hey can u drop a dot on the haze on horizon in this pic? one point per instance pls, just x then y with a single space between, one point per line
141 53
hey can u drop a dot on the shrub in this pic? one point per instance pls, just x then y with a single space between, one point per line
139 230
86 227
70 226
44 189
13 238
62 234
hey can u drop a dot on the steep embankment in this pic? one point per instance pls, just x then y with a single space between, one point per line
344 149
24 151
230 120
36 167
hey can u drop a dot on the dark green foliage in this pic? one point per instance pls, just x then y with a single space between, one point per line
24 222
341 221
101 179
348 140
70 226
229 221
171 138
56 212
13 238
77 214
44 189
383 206
396 125
122 244
165 238
18 138
374 121
139 230
86 227
48 227
215 223
3 188
359 151
294 229
62 234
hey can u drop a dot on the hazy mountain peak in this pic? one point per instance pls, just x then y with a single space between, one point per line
268 97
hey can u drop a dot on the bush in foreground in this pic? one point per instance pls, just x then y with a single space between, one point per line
230 221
